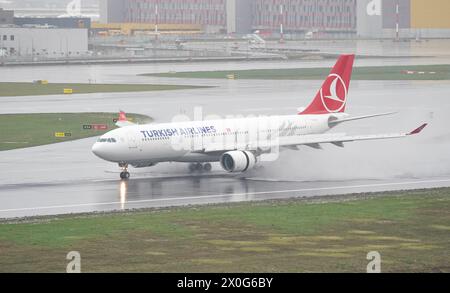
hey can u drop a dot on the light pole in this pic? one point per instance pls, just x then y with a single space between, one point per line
32 49
156 20
281 24
1 48
397 24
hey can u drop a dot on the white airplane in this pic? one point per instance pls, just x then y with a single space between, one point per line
238 144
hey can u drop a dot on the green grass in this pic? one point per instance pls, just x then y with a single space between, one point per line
442 72
12 89
27 130
411 231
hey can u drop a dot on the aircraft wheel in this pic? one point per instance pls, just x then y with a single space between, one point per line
192 167
207 167
125 175
198 167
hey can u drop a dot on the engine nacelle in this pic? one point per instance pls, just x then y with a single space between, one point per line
238 161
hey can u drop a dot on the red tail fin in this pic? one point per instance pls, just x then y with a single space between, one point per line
122 116
332 96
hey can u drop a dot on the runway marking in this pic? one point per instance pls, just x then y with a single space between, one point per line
15 142
225 195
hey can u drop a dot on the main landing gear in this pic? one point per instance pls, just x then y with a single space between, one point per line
125 175
198 167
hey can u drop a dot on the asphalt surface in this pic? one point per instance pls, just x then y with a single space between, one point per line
168 190
67 178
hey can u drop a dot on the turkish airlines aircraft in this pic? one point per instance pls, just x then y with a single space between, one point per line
238 144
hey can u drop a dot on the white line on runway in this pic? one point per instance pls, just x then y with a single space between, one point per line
227 195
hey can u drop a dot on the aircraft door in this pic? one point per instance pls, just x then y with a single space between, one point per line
132 140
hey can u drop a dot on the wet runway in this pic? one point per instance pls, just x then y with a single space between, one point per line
166 191
67 178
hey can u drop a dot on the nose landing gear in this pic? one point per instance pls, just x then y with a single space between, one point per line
125 175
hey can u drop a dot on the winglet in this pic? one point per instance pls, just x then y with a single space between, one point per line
418 130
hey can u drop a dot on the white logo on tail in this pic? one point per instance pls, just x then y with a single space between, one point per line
338 102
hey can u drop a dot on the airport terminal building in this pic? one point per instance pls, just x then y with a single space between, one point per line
43 42
304 15
43 37
6 16
403 19
236 16
355 18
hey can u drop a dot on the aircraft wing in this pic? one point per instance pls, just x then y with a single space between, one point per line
339 139
314 141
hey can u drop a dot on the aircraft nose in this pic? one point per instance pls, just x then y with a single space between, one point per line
99 150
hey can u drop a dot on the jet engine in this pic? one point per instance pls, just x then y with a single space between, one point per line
238 161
